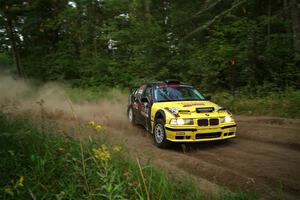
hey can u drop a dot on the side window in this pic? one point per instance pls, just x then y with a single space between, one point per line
140 91
148 93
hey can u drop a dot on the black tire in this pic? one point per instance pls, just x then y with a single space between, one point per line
159 134
131 117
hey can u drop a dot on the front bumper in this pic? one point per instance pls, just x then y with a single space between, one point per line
196 134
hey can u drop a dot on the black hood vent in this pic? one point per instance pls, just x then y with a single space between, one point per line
205 110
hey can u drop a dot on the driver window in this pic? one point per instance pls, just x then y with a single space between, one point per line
148 93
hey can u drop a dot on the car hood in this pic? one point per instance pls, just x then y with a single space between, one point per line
187 106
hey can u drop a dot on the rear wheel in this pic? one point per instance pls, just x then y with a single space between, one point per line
159 134
131 117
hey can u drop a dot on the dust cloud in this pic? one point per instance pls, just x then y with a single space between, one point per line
23 97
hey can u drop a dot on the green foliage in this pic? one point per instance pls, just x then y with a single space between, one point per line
121 43
96 93
280 104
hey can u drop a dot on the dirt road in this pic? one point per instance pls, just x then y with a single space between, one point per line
264 158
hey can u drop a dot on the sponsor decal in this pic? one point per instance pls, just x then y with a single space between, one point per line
173 111
184 111
193 104
202 110
141 89
172 86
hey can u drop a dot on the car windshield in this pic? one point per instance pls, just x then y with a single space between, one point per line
176 93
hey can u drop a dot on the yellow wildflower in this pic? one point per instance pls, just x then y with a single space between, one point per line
98 128
91 123
62 194
117 148
20 181
102 153
9 191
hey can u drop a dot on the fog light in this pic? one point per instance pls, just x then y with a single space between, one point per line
180 133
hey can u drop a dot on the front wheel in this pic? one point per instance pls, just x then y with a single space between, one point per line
159 134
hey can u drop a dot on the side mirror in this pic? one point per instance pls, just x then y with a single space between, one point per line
144 100
208 98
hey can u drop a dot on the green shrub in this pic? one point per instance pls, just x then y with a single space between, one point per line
284 104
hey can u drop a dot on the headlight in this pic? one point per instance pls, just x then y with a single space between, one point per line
226 119
186 121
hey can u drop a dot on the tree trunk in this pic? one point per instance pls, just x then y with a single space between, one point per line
147 4
295 16
269 24
14 48
209 23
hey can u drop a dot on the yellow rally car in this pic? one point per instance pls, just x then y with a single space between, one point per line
177 112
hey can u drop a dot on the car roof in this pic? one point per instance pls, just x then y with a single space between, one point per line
167 82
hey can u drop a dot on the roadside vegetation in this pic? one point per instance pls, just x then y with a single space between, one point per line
273 104
39 164
92 94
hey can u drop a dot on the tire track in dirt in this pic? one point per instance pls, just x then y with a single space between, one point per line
267 165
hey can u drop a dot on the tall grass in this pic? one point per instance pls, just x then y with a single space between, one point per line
277 104
96 93
36 165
